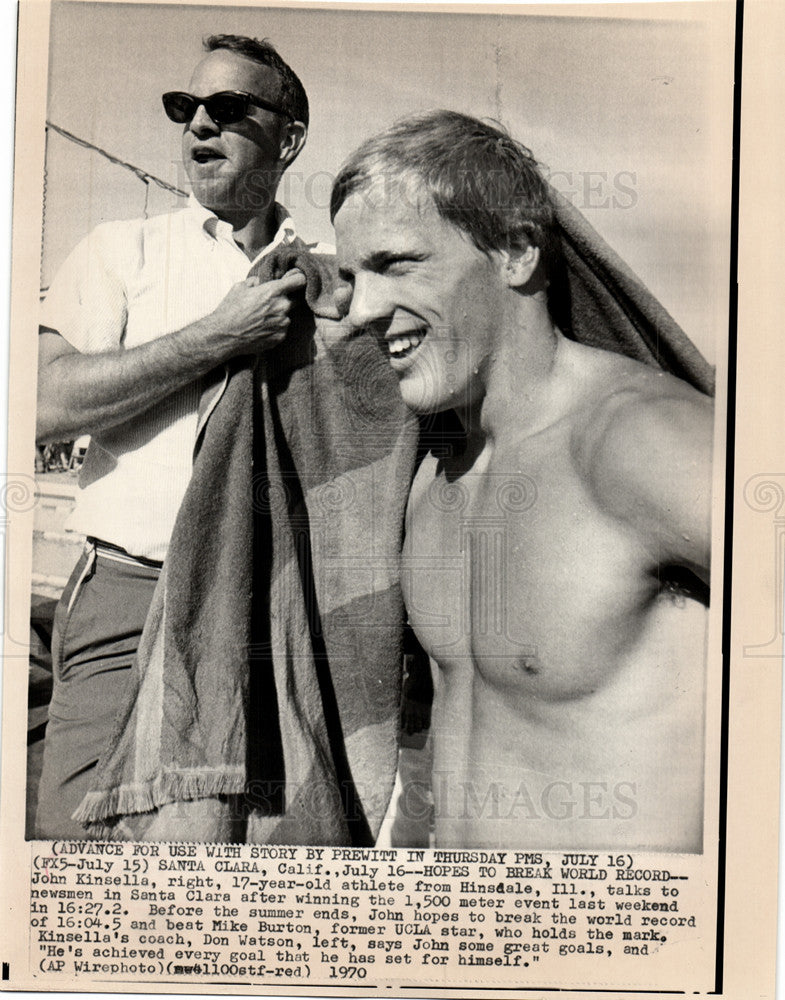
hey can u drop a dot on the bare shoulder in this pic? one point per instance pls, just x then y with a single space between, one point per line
643 421
645 453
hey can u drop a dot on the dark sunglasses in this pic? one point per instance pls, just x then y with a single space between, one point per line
226 108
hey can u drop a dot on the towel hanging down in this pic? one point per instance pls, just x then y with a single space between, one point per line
264 703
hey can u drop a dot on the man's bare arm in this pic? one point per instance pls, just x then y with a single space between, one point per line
84 393
651 466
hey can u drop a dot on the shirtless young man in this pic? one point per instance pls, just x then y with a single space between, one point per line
545 563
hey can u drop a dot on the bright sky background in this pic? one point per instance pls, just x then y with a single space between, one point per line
645 104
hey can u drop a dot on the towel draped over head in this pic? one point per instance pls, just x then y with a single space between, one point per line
264 702
596 299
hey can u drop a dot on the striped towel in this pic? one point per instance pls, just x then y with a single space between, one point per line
264 702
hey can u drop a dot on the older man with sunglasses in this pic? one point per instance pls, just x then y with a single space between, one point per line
139 312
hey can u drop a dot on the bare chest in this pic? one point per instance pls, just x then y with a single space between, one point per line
519 576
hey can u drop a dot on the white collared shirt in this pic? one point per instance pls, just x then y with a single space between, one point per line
125 284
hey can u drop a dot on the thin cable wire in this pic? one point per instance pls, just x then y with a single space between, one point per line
43 206
143 175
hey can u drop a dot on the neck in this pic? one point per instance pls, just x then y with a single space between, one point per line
517 383
252 233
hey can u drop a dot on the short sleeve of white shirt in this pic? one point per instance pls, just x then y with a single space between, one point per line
87 303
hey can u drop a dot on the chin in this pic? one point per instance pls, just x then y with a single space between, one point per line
424 399
209 197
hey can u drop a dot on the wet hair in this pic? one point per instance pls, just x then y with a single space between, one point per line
292 96
481 180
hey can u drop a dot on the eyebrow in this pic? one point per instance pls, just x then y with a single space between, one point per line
377 260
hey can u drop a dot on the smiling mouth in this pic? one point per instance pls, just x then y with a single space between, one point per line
404 346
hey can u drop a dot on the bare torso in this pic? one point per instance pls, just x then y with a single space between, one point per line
569 657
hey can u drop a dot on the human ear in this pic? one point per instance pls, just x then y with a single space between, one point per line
520 266
292 141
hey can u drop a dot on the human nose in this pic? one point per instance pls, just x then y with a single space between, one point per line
202 124
369 304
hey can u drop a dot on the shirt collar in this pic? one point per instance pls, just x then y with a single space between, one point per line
217 229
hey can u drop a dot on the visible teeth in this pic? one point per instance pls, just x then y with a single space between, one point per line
401 344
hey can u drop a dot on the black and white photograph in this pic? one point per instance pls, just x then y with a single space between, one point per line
437 477
384 388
